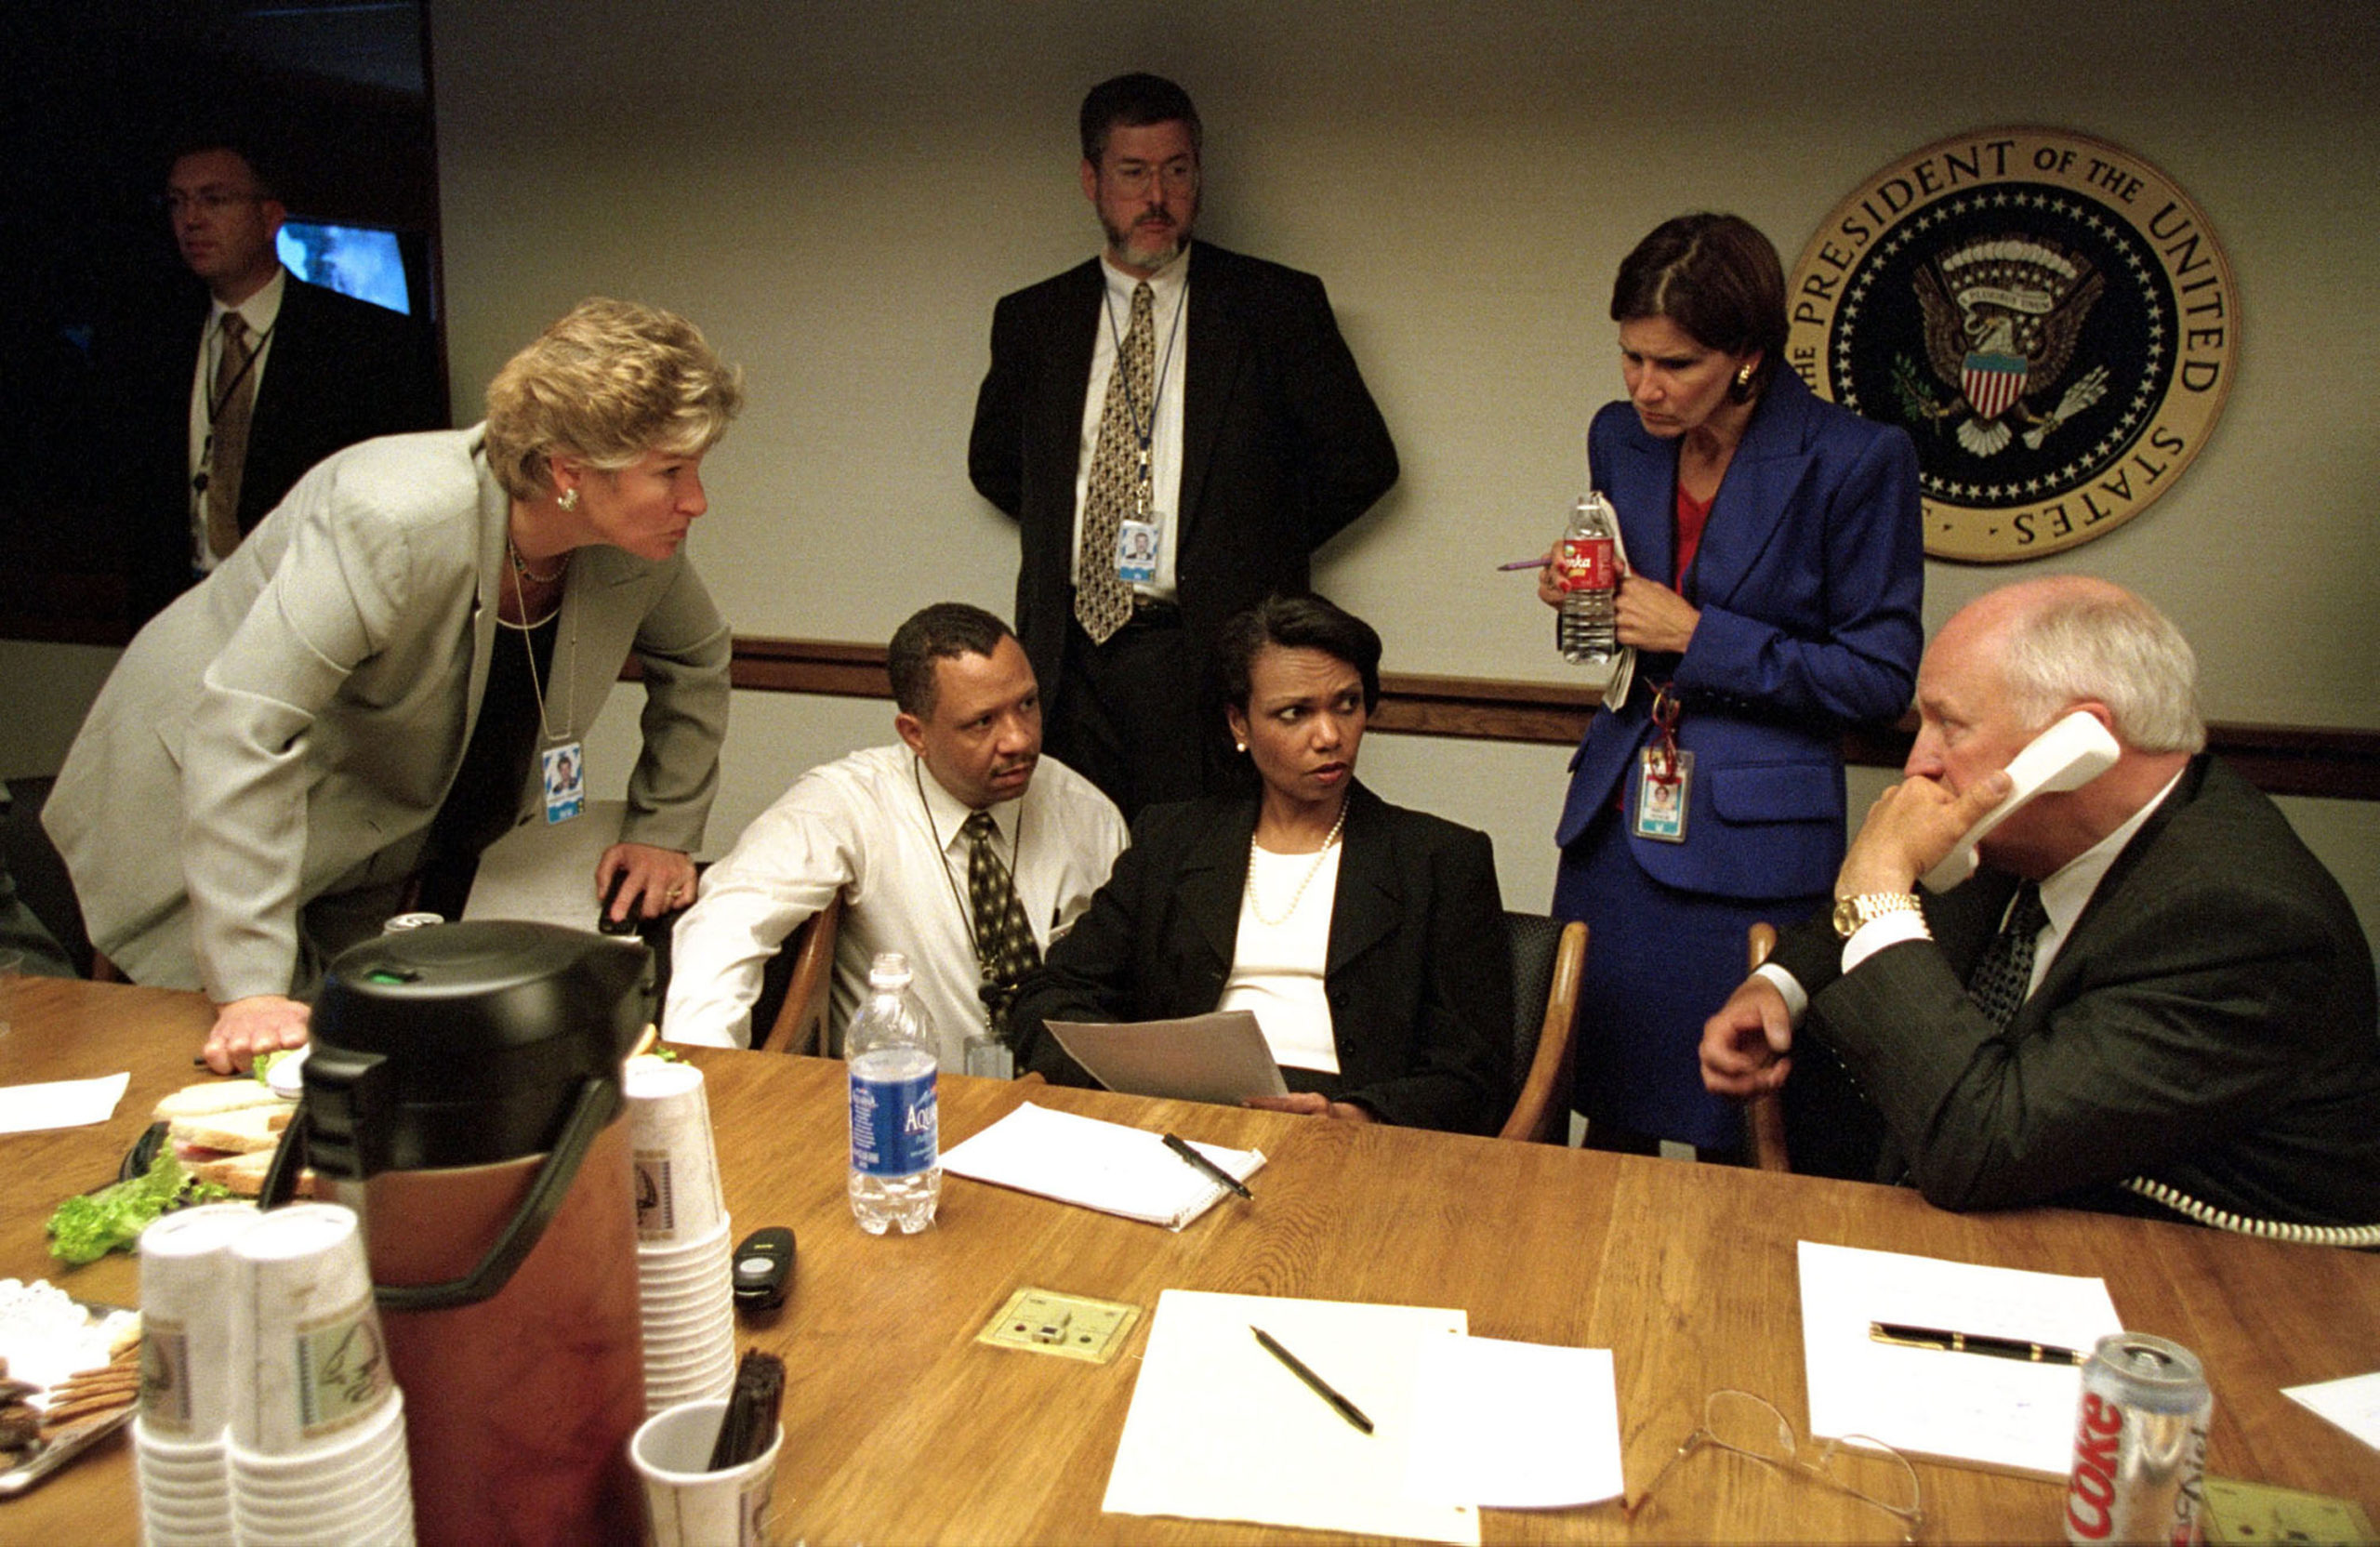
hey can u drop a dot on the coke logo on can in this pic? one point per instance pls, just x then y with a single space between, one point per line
2091 1490
2139 1445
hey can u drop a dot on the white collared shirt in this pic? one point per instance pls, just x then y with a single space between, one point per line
1169 297
2064 896
878 825
259 311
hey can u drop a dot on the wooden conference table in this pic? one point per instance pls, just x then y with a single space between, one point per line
901 1428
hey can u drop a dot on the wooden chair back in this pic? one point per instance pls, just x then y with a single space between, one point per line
800 1024
1764 1113
1550 952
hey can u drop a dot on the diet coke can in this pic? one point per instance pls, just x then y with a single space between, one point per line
2139 1445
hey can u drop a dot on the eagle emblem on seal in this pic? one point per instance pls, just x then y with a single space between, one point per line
2002 315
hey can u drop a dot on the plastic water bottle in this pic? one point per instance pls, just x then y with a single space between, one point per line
1587 569
897 1154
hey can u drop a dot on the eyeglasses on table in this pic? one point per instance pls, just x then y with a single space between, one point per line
1750 1426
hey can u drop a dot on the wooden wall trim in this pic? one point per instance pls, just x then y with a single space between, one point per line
2280 759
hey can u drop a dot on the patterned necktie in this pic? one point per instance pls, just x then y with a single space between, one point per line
1004 943
1103 603
229 400
2004 975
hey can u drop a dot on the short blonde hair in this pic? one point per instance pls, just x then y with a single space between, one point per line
608 381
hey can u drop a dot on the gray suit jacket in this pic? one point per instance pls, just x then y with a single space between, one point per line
288 729
2208 1022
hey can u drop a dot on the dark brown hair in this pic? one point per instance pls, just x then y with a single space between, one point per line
1716 277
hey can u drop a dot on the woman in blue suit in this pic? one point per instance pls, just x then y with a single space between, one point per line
1776 565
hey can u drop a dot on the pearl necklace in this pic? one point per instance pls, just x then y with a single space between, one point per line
1257 907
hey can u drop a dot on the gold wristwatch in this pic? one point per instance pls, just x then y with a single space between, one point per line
1869 906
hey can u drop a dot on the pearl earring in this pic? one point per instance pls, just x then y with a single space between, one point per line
1743 377
569 500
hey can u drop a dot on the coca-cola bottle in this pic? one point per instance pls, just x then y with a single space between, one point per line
1586 567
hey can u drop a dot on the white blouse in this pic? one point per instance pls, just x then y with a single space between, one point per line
1276 968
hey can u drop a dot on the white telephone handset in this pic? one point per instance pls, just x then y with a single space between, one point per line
2066 756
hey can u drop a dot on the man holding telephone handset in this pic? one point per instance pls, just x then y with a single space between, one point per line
2149 989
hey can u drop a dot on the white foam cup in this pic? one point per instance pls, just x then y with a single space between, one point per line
187 1291
306 1336
691 1507
362 1457
678 1195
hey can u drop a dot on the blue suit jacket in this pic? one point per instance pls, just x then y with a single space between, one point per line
1810 578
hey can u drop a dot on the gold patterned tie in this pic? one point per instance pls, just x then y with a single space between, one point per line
1004 943
227 436
1103 603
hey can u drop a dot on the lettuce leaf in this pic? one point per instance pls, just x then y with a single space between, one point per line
89 1225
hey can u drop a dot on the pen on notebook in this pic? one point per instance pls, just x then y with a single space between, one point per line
1538 562
1322 1388
1200 1162
1947 1341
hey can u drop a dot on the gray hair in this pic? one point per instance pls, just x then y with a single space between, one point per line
2102 643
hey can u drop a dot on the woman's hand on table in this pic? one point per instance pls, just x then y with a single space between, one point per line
1651 616
1311 1104
657 880
262 1023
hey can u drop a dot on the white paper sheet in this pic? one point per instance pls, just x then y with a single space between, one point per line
544 872
2352 1403
1219 1057
1221 1429
1515 1426
1098 1164
60 1103
1960 1407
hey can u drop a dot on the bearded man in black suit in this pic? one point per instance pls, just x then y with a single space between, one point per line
1238 437
2151 993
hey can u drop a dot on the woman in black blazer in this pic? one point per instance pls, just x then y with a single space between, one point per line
1367 939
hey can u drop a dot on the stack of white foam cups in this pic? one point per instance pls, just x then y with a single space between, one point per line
681 1228
317 1446
179 1435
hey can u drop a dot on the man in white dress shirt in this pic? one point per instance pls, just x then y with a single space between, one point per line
887 826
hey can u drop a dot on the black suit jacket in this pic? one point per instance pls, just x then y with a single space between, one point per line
2209 1022
340 371
1418 975
1282 445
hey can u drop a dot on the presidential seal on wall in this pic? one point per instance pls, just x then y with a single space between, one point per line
2047 315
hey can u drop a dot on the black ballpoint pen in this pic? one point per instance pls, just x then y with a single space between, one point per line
1946 1342
1190 1153
1322 1388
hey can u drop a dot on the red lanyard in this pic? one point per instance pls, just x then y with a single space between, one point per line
1666 710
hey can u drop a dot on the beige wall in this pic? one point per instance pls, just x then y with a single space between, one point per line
839 192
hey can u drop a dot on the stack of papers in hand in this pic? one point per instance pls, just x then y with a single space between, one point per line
1100 1165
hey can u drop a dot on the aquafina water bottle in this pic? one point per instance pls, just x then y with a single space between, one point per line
1586 566
896 1156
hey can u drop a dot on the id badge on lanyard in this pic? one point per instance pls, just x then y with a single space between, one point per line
564 775
1665 777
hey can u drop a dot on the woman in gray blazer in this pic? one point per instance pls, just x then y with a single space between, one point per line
400 663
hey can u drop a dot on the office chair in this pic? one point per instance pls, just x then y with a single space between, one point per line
1548 956
799 1024
1764 1113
